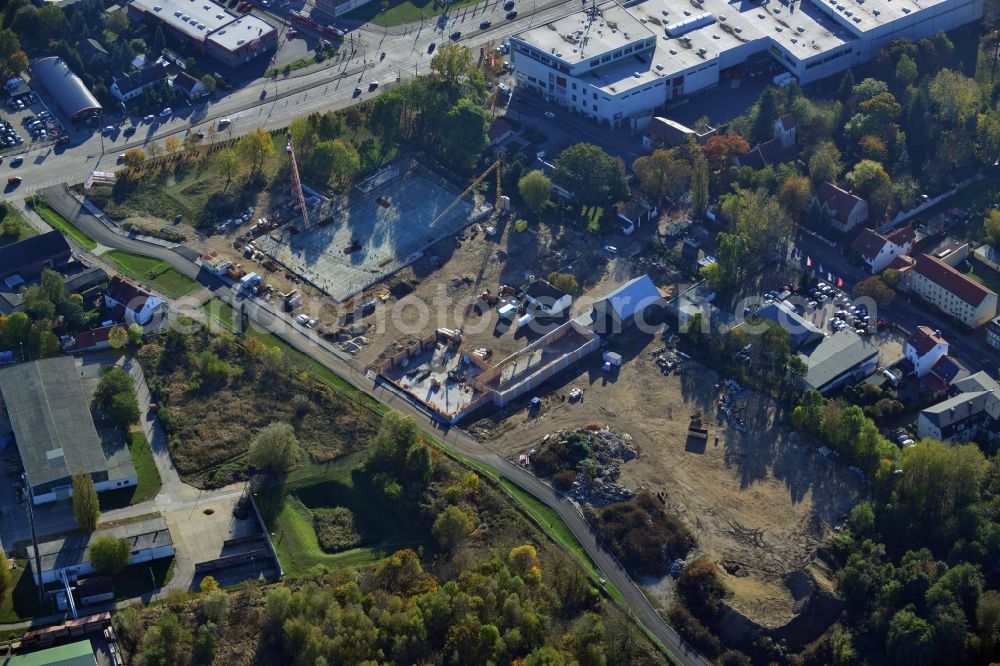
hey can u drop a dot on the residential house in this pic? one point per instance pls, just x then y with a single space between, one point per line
878 251
971 414
988 256
993 332
140 306
499 131
633 213
846 210
951 292
546 298
91 52
777 150
837 359
924 348
129 86
189 86
945 372
96 339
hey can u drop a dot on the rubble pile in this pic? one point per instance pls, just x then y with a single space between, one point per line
596 476
667 360
729 393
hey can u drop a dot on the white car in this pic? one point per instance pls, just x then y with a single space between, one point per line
302 319
166 112
611 249
223 122
550 115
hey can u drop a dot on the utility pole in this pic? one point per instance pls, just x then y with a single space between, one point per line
34 537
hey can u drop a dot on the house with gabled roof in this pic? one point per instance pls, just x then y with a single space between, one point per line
847 210
878 252
952 292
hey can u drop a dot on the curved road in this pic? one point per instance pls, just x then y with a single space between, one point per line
352 371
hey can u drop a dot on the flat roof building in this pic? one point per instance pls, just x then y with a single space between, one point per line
29 257
54 430
149 540
618 65
74 98
210 27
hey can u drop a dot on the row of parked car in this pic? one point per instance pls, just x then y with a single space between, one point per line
42 126
9 136
21 102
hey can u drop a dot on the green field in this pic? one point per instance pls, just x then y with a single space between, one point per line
222 313
324 486
145 467
406 11
57 221
153 272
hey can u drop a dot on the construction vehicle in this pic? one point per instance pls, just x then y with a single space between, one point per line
296 182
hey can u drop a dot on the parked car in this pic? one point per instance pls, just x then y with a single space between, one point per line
149 119
550 115
511 15
166 112
509 5
373 85
455 36
430 47
18 160
485 25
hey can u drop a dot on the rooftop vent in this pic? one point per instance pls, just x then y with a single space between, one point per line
177 13
157 8
857 19
659 68
240 42
800 29
876 12
673 52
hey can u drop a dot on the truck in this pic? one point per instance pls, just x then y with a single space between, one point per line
613 358
249 281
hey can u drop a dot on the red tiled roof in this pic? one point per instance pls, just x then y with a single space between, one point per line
127 293
869 243
951 280
787 121
498 128
902 262
924 339
839 202
90 338
902 236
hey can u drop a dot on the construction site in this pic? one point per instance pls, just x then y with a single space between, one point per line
383 224
452 381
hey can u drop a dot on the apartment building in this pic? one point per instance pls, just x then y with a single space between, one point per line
951 292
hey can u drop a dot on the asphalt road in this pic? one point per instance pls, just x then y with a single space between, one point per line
273 103
308 342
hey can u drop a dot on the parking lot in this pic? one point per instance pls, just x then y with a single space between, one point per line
27 123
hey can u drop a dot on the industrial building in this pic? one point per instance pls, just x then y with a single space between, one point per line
149 539
80 653
836 359
618 65
210 27
55 432
73 98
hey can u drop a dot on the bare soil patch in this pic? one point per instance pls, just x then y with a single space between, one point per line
759 502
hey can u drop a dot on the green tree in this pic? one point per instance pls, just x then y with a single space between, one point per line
534 188
910 640
86 506
465 137
872 182
451 526
795 193
825 164
13 59
564 282
875 289
5 575
11 226
699 186
991 225
452 63
209 82
255 147
956 97
118 337
337 161
228 164
662 174
385 119
906 72
109 555
133 158
273 448
215 605
593 176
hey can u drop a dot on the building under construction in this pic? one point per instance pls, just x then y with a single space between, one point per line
382 225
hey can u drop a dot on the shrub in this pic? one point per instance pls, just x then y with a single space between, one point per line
273 449
641 533
337 529
109 555
563 479
521 225
688 626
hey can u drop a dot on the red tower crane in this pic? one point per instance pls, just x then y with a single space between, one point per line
297 183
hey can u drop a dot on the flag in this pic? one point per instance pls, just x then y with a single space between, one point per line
809 261
840 282
829 277
820 271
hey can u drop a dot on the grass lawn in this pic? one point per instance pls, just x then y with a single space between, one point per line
138 579
57 221
26 230
154 272
405 11
145 467
20 600
326 486
221 312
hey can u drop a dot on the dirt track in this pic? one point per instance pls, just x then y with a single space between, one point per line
759 502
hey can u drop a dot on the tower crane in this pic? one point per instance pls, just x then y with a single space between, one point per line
296 182
475 183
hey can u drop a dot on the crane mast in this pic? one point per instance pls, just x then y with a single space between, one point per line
296 182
